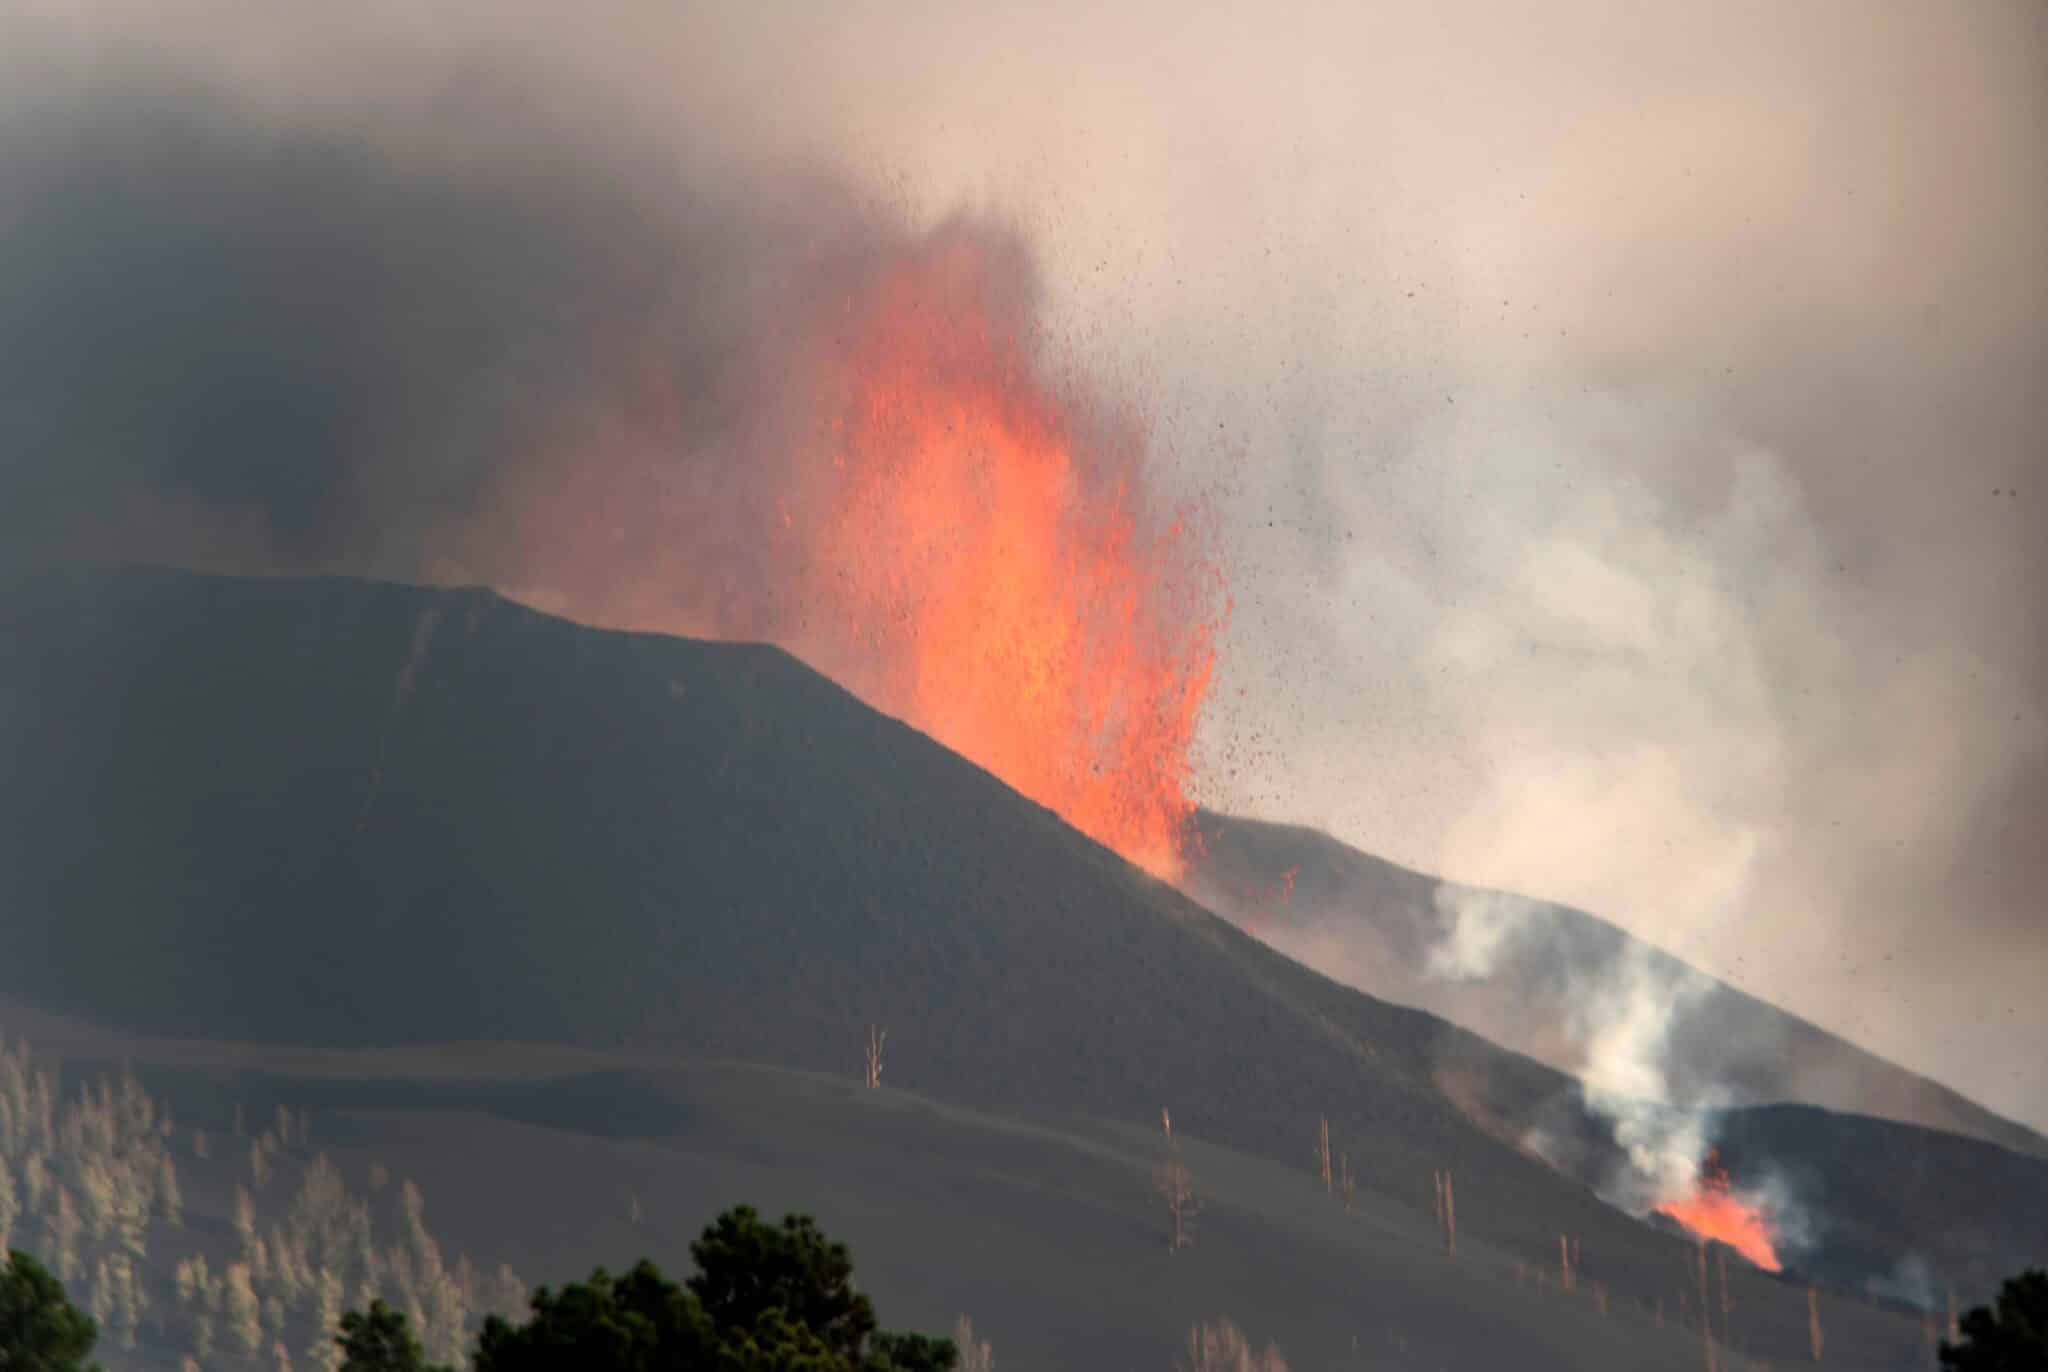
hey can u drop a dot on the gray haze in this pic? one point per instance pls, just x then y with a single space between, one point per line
1625 425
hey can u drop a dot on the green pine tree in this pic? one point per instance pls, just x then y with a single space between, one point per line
381 1341
40 1330
765 1298
2011 1337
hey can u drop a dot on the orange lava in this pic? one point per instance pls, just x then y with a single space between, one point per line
978 560
1714 1212
909 494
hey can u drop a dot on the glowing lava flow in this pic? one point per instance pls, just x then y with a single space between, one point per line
977 557
1714 1212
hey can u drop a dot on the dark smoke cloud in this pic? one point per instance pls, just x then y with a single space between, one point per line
577 364
580 364
292 348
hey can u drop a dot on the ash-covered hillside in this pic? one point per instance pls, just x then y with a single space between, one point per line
295 1181
1393 933
341 813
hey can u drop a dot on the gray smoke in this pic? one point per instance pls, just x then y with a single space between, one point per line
493 341
285 346
1910 1282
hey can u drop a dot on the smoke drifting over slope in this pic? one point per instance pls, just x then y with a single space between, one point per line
1629 463
769 408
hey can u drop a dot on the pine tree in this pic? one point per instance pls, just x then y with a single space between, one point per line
245 1216
1222 1347
244 1314
2007 1336
64 1230
170 1198
39 1328
10 1205
326 1352
379 1340
763 1296
975 1354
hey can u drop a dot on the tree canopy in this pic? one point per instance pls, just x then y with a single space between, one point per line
381 1338
40 1329
764 1298
2011 1336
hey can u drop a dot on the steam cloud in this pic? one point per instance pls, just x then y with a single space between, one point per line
1624 1013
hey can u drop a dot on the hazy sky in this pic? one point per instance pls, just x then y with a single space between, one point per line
1625 424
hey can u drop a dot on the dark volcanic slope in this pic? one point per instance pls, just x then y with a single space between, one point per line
339 813
1979 1211
333 812
1044 1229
1372 925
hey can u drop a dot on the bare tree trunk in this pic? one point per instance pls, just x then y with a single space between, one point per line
975 1354
876 1038
1323 1152
1177 1188
1727 1305
1171 1180
1814 1336
1222 1347
1706 1311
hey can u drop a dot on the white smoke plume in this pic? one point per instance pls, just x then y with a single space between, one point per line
1910 1282
1623 1013
1625 1022
1481 926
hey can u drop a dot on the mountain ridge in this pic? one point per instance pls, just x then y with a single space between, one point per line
352 814
1374 924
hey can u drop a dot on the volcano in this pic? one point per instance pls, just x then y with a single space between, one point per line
349 815
1374 925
